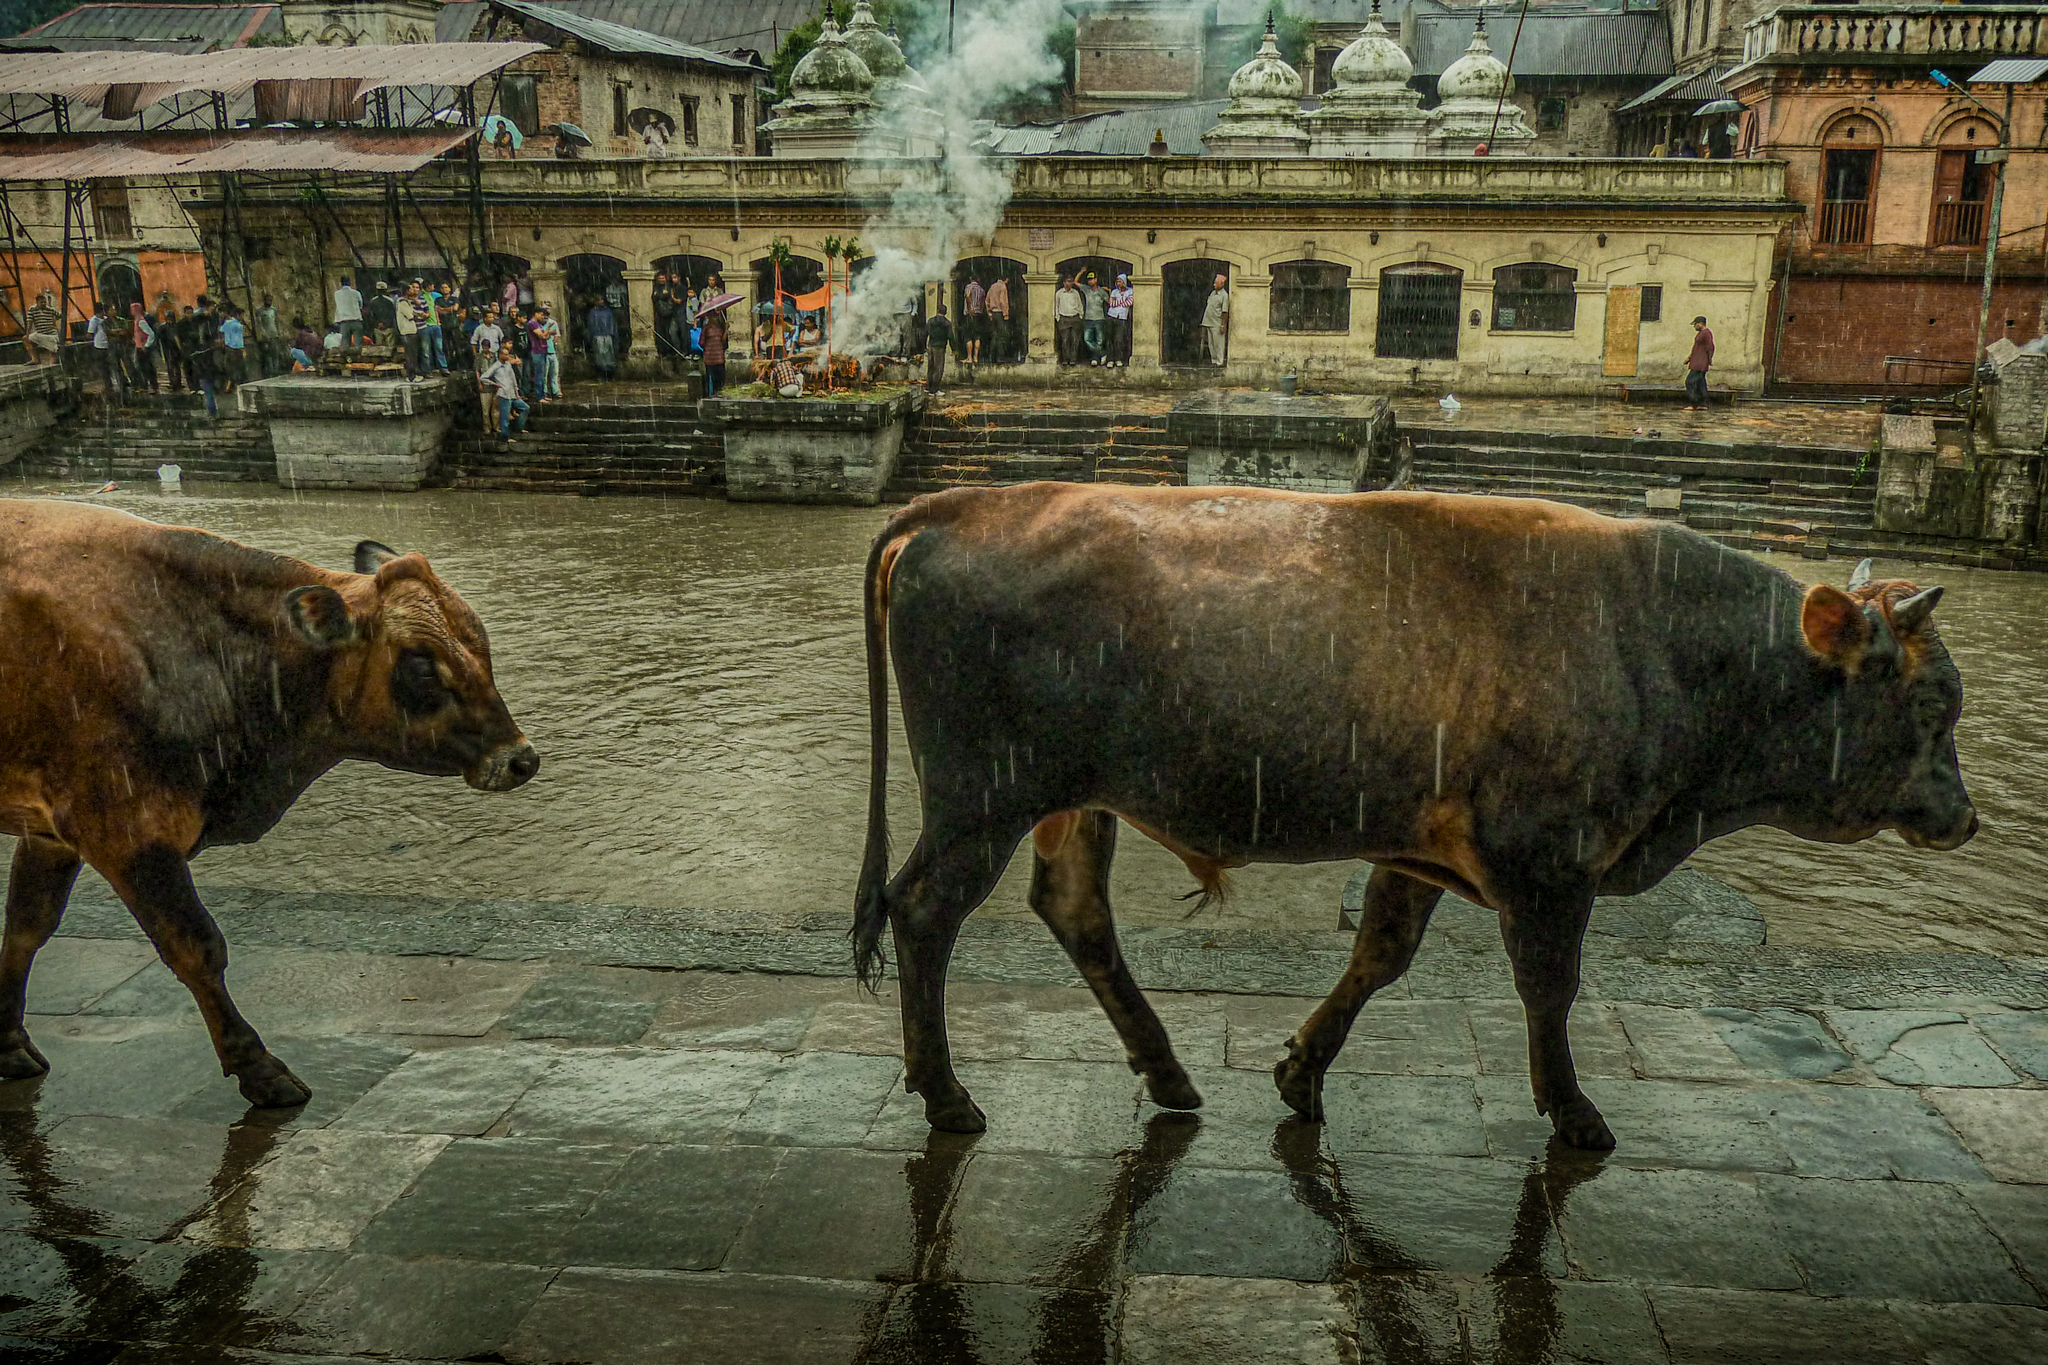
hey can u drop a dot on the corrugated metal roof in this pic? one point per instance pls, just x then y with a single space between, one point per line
617 38
2011 71
155 28
124 82
1604 43
74 156
1119 132
715 25
1695 88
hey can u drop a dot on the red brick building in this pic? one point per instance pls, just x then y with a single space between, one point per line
1879 283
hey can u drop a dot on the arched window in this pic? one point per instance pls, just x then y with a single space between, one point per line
1848 181
120 285
1535 297
1961 186
1310 296
1418 312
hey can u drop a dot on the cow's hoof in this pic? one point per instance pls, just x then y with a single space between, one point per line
1579 1124
1173 1090
23 1063
270 1085
956 1114
1301 1085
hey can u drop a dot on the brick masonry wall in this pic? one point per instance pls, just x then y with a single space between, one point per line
1839 329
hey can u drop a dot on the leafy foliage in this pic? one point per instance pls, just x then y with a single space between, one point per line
919 27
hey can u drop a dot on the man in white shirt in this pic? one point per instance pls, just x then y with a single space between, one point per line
1216 319
487 338
502 377
99 328
348 312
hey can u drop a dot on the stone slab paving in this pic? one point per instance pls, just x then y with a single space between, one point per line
531 1143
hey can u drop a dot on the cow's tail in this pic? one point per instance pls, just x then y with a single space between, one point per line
870 900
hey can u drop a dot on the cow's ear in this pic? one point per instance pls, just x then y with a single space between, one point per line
320 617
371 556
1834 625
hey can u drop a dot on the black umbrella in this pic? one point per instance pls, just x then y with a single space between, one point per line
640 118
570 131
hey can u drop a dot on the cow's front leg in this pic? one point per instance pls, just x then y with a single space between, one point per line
158 889
1070 892
1396 911
43 873
1543 936
928 901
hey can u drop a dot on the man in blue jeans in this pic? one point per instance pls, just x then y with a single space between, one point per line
503 376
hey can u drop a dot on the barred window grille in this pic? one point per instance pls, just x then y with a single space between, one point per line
1535 298
1310 296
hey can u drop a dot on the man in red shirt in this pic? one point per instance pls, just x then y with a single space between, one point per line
1697 364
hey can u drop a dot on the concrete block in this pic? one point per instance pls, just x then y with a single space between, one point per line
1907 431
810 450
1663 499
355 433
1264 440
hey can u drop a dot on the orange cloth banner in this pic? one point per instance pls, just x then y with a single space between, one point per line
813 301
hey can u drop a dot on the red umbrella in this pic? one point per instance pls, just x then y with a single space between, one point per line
722 301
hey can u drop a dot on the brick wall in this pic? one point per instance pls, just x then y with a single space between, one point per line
1147 51
1839 329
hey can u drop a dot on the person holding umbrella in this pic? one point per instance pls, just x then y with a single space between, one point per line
711 323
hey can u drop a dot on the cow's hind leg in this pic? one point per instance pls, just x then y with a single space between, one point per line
43 873
1543 939
1396 911
928 900
158 891
1070 892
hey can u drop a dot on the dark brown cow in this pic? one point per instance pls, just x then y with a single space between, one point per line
163 690
1521 702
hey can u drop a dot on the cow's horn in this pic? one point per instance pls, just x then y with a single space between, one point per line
1909 615
1860 577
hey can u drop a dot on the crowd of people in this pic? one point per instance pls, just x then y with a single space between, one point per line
1092 325
202 348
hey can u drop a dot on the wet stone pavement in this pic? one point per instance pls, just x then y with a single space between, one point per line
529 1144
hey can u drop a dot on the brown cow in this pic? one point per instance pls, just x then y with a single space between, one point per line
1521 702
163 690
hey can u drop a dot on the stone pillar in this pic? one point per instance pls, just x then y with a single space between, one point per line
548 284
640 317
1042 284
1148 308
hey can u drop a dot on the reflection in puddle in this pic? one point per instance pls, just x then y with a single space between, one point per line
95 1285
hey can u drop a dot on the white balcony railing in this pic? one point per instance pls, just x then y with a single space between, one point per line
1873 32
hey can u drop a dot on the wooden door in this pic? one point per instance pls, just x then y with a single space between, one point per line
1624 329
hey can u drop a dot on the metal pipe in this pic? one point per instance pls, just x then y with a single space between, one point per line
1990 265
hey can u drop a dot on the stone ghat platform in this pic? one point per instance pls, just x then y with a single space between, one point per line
620 1136
1796 477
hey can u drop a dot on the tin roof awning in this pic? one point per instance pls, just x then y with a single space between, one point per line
1689 88
2010 71
319 83
87 156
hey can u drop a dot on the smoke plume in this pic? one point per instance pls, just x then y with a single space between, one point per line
999 52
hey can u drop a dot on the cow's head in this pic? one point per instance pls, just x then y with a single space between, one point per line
1892 761
411 684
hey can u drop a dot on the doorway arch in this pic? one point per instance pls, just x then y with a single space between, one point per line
1004 346
120 284
587 278
1185 287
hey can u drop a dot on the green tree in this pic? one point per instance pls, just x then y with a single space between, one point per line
914 24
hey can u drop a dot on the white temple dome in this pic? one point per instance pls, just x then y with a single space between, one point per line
1478 75
831 67
876 49
1267 76
1373 59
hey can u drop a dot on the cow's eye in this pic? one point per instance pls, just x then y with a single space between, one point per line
416 683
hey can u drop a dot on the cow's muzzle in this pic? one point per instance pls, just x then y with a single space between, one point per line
505 768
1964 830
